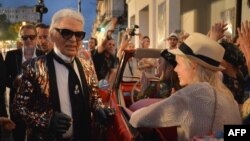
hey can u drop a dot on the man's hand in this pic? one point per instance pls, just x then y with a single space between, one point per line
217 31
104 115
60 123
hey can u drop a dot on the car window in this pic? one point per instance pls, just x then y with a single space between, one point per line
131 72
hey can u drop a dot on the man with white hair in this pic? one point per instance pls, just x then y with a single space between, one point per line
54 91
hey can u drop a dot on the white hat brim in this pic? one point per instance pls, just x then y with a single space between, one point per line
198 60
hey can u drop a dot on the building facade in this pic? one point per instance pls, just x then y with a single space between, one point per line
19 14
107 10
158 18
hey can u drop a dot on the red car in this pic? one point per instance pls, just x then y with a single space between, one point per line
122 98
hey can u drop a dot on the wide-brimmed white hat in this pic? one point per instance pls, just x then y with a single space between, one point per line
203 50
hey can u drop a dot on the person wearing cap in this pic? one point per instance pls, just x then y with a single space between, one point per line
204 103
172 40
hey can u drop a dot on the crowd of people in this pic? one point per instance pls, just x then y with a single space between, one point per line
51 79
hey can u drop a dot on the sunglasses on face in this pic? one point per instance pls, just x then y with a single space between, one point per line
67 34
26 37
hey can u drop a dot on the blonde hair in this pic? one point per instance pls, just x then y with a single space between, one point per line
27 26
204 74
245 108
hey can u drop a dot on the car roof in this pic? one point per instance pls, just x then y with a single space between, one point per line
147 53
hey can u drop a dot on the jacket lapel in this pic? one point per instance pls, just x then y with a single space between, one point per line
19 58
83 80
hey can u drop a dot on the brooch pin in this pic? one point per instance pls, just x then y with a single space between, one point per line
77 91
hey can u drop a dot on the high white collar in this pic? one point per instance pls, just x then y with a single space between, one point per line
63 57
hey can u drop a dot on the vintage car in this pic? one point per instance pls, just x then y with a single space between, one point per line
123 98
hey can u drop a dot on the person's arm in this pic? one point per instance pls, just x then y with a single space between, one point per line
28 98
217 31
168 112
7 123
244 41
34 106
101 47
119 52
124 43
108 35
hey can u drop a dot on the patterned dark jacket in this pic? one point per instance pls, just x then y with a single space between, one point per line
37 93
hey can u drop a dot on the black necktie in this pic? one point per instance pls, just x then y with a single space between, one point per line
76 97
73 81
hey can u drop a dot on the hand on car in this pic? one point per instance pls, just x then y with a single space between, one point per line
104 115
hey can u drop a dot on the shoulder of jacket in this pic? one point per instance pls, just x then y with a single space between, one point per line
89 69
197 87
13 51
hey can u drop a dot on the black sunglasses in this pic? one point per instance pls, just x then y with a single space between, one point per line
67 34
26 37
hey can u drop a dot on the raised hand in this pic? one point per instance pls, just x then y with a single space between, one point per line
244 37
244 41
217 31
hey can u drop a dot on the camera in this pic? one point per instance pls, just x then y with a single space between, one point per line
133 29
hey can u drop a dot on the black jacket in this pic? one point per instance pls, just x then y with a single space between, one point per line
13 62
3 111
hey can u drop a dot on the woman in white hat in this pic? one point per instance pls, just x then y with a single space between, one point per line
204 105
